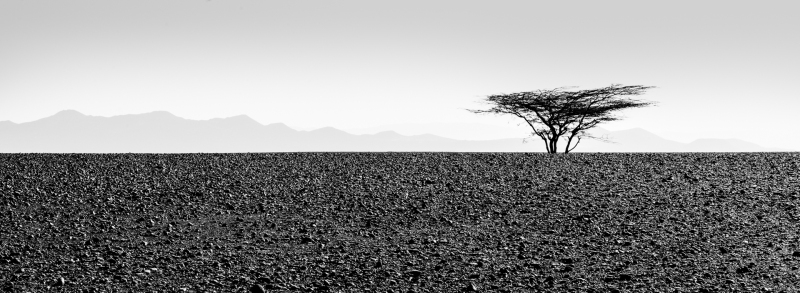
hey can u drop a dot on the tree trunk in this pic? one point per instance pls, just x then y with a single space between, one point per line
554 144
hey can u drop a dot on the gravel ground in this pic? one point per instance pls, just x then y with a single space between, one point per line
400 222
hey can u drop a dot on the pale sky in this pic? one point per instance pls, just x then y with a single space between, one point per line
723 69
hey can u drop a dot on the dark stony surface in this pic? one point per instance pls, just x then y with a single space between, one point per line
400 222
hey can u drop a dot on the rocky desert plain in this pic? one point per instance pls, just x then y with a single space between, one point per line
400 222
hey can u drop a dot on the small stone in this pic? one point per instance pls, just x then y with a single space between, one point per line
742 270
59 282
470 288
257 289
625 277
536 266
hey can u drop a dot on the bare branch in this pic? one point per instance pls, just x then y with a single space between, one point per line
562 111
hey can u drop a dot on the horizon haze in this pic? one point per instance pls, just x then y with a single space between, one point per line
722 69
70 131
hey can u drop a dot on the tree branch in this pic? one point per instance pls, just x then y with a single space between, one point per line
562 111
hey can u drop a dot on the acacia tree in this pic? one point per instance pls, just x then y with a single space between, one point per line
562 114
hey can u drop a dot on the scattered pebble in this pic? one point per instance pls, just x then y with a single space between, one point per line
257 289
471 287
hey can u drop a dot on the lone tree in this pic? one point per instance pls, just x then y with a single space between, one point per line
562 114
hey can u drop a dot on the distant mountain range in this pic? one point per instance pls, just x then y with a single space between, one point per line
70 131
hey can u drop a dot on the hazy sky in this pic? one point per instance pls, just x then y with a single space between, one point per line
723 68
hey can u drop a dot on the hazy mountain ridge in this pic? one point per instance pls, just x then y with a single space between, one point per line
70 131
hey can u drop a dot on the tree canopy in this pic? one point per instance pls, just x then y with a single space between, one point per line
566 114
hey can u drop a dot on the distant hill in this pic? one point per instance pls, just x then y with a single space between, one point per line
640 140
162 132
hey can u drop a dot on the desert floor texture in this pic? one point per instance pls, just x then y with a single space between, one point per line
400 222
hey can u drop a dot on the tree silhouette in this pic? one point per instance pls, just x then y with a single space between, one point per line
560 113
